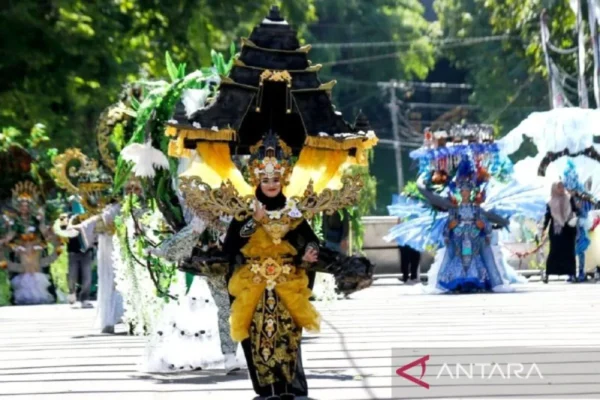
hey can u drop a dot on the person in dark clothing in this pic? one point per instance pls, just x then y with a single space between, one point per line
560 214
80 249
80 271
409 263
336 230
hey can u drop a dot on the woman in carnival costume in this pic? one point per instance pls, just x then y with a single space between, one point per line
91 223
28 238
269 249
467 211
110 302
269 287
468 262
269 253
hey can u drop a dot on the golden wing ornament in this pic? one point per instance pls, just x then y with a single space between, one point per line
329 201
205 201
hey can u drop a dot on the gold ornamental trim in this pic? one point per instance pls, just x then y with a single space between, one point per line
329 201
226 200
177 145
176 151
333 143
63 173
276 76
93 194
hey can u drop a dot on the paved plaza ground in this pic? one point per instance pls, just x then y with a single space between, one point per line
52 352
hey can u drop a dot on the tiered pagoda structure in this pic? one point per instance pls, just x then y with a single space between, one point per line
273 87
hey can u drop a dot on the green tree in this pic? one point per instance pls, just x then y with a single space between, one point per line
408 54
64 61
509 76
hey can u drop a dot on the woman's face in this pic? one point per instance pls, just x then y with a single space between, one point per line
24 208
560 189
465 195
271 187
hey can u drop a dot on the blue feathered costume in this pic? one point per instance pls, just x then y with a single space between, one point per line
458 216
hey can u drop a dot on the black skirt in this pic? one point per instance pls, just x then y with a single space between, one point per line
561 259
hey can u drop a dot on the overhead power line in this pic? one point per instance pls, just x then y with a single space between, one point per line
442 106
404 84
448 43
397 43
400 143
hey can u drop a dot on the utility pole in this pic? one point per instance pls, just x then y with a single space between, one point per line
394 110
582 86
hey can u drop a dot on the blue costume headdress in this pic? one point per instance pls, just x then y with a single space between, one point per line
466 176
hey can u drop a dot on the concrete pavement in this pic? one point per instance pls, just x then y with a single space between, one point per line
52 352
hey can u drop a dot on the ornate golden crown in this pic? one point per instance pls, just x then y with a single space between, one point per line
270 158
25 191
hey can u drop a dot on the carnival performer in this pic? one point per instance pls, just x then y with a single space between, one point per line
269 246
29 239
561 214
207 303
466 212
468 263
269 285
110 302
268 252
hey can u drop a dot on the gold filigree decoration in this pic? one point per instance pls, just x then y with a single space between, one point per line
225 200
109 119
276 228
70 168
271 271
276 76
63 170
329 200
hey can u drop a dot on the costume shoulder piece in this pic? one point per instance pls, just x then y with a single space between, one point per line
269 159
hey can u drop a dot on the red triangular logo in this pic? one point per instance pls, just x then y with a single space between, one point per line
421 361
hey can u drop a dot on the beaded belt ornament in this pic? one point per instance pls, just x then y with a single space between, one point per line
270 271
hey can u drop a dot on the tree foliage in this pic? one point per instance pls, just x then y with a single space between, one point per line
64 61
25 157
359 68
509 76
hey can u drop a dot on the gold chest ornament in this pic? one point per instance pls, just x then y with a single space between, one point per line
276 228
270 270
279 222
